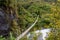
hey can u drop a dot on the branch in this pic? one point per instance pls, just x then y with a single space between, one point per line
24 33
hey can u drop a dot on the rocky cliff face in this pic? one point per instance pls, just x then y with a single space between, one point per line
5 22
4 26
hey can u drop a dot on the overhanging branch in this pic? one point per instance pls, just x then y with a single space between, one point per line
25 32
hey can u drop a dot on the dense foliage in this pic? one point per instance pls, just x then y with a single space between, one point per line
27 11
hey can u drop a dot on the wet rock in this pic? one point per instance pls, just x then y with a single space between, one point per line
4 24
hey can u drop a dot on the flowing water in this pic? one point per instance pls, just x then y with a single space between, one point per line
43 34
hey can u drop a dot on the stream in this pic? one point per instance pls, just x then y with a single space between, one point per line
41 34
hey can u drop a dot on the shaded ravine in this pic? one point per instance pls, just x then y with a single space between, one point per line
41 36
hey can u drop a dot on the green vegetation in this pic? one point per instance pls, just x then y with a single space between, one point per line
27 10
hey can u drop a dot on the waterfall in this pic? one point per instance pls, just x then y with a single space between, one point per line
42 36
